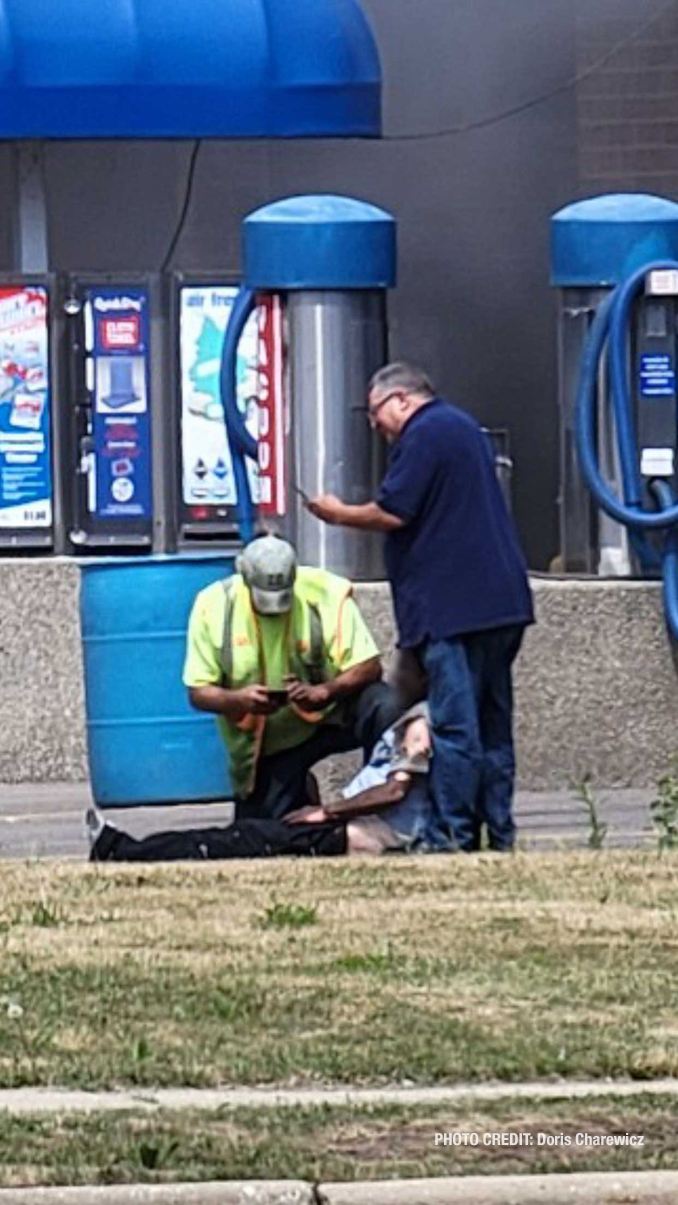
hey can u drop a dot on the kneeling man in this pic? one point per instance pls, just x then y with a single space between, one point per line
283 658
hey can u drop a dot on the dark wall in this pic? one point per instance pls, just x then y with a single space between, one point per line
473 303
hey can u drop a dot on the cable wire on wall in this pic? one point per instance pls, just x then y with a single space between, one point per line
566 86
188 192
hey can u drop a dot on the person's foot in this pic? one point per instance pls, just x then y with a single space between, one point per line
95 825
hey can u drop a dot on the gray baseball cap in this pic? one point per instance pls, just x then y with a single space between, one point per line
269 567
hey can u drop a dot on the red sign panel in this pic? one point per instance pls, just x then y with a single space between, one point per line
272 490
120 333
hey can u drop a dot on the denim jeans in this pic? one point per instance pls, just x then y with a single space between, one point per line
472 773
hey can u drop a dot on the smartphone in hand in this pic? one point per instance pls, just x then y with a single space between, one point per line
302 494
277 696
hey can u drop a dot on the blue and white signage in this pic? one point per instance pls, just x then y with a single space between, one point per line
208 479
25 404
657 375
117 340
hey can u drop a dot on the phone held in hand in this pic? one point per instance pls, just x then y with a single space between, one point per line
302 494
277 696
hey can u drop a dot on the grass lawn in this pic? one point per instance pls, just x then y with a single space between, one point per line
335 1143
425 970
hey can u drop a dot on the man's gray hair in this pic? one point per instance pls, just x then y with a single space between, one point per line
403 376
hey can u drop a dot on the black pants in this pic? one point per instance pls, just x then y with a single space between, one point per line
281 778
244 839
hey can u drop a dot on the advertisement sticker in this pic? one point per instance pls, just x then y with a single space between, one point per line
207 465
25 409
117 337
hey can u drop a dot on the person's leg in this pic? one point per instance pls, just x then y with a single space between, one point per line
243 839
281 779
369 714
457 754
281 784
371 836
114 845
495 800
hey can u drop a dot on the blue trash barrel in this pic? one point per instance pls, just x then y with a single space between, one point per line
146 744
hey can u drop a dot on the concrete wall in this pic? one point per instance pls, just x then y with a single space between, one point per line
42 726
596 686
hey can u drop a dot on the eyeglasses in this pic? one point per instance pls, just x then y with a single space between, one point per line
372 411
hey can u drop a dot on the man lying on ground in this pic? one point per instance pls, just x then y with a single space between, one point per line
385 808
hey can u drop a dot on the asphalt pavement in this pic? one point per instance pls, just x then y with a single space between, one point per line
47 819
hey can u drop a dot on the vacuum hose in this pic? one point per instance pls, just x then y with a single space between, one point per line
241 443
608 334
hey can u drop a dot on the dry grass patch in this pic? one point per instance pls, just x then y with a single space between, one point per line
426 969
334 1143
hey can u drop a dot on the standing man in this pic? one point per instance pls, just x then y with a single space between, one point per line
460 592
283 657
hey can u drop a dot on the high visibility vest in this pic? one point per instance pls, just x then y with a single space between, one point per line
314 636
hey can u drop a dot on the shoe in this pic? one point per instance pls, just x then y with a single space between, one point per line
95 825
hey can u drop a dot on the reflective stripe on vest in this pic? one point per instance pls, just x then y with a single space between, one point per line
316 661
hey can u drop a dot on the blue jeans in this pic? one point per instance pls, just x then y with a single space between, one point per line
472 773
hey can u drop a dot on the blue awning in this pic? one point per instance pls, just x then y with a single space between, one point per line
187 68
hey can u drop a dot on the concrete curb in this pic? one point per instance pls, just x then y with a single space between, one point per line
59 1100
236 1192
596 1188
601 1188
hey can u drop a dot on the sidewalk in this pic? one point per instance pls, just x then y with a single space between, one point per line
577 1188
46 819
65 1100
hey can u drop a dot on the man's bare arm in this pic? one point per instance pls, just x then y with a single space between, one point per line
355 679
368 517
371 800
351 682
233 704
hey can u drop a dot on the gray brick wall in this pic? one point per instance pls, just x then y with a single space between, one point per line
627 109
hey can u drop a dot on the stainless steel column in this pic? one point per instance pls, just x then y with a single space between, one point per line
578 513
590 542
336 341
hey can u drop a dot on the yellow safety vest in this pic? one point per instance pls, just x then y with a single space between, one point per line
314 632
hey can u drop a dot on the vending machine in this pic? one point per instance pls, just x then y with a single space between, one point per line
108 340
27 406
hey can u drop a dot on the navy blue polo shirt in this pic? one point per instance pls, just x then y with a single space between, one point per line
456 566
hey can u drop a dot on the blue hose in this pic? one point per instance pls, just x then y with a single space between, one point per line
241 443
609 327
663 493
609 334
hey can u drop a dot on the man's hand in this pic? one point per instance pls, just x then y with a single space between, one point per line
234 704
327 507
306 696
253 700
306 815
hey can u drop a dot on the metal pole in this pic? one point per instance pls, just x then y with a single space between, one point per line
337 340
31 245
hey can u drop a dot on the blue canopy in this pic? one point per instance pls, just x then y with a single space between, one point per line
187 68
